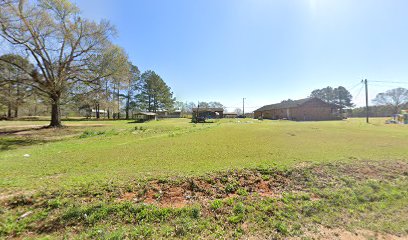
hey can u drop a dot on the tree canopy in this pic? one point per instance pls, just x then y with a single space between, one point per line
154 93
395 98
339 96
13 91
66 48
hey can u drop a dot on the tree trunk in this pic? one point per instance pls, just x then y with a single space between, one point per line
118 104
9 110
35 105
17 101
127 106
55 112
150 102
9 105
97 111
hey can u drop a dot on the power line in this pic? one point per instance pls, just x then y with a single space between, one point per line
382 86
358 84
358 94
397 82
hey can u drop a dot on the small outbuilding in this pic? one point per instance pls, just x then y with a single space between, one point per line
230 115
169 114
308 109
145 116
208 113
102 113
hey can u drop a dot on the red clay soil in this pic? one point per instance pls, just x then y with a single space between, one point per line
178 194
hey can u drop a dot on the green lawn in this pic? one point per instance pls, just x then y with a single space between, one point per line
124 150
226 179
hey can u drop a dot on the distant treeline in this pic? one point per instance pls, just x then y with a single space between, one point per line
375 111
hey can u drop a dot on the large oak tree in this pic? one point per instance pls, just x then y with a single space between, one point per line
66 49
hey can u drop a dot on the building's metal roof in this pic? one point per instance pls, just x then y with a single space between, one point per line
146 113
208 109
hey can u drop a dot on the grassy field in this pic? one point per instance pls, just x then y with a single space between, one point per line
109 170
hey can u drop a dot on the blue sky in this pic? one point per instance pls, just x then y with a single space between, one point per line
263 50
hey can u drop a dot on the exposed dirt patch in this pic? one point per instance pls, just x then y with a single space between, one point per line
370 169
253 187
255 183
204 189
342 234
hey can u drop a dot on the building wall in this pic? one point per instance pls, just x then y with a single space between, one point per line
209 114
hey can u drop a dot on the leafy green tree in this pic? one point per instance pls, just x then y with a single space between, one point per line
66 48
203 105
326 94
339 96
343 97
154 93
131 87
13 91
216 105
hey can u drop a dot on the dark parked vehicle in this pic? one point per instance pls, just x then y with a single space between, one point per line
199 119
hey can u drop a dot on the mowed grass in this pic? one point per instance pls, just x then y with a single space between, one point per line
230 179
120 151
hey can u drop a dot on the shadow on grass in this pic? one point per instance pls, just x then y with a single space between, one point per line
13 143
202 122
136 121
22 130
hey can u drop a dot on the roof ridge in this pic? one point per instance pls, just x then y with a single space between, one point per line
285 104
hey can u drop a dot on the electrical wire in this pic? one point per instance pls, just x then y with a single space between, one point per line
397 82
358 94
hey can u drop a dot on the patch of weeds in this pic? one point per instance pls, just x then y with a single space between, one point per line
195 212
239 208
183 227
216 204
224 179
142 231
162 180
193 186
238 232
231 187
229 201
21 200
140 128
242 192
282 228
93 133
236 218
54 203
158 195
210 180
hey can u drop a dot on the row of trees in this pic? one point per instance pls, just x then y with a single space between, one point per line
385 103
58 58
187 107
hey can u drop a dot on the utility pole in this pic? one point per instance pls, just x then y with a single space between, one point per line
243 107
366 92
